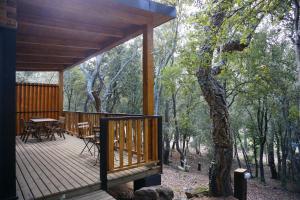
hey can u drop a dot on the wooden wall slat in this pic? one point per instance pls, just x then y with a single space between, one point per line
36 100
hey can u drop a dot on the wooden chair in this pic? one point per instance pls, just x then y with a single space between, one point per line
59 127
84 133
22 130
96 133
30 129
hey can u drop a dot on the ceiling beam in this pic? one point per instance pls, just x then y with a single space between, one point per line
38 67
56 42
81 11
65 26
55 32
45 59
55 51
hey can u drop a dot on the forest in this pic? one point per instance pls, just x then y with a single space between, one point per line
227 83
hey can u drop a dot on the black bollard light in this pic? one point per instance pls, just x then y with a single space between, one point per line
199 166
240 183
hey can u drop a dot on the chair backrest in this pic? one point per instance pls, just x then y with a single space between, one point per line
96 131
62 119
83 129
28 126
22 121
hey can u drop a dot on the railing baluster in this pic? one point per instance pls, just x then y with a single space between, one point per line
111 152
145 143
121 141
138 141
129 141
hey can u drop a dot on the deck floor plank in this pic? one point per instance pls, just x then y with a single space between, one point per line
67 160
98 195
54 180
49 169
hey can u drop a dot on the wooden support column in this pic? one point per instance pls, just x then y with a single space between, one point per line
61 93
7 99
148 101
148 71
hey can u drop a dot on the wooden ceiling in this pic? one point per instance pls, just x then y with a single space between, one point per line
54 35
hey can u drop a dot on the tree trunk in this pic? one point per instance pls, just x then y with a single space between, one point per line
177 134
236 151
219 172
166 152
166 146
255 157
271 160
261 164
97 101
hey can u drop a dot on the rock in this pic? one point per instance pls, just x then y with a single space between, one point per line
154 193
196 192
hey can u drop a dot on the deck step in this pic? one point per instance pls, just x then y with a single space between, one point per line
126 176
97 195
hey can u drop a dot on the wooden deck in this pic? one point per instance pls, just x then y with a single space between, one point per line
56 169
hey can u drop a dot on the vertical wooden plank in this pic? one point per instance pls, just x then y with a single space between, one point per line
61 92
27 100
121 142
129 141
139 138
148 71
35 98
49 101
31 97
145 144
110 156
38 106
18 109
42 100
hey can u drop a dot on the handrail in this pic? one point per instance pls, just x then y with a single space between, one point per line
129 142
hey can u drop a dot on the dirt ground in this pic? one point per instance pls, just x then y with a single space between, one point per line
180 181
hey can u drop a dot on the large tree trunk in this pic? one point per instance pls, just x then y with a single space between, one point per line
219 172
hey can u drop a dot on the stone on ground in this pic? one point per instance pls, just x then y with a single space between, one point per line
154 193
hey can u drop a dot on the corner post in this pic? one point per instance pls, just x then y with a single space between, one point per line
103 152
148 70
8 25
61 92
148 100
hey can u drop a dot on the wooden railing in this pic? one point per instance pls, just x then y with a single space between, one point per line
73 118
129 142
126 141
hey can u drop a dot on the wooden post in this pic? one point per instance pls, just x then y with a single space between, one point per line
160 142
8 27
104 152
240 184
61 93
7 113
148 71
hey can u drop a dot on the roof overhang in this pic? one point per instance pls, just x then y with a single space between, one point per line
54 35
